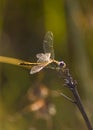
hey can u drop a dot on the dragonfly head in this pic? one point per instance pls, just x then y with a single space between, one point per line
62 64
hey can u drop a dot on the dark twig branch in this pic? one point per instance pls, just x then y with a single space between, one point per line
66 97
72 85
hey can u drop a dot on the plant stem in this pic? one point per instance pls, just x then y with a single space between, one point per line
81 108
72 85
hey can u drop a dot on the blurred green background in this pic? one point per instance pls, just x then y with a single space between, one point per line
23 24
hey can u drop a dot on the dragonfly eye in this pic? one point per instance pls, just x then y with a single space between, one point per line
62 64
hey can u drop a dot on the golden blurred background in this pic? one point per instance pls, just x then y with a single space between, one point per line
30 102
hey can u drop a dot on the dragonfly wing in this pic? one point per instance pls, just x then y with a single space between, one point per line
37 68
40 55
48 44
43 57
48 55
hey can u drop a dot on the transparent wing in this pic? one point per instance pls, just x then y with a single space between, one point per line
48 44
37 68
48 55
40 55
43 57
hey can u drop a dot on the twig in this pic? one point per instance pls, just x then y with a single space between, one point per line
81 108
66 97
72 85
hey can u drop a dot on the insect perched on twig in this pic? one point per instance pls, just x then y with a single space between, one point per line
46 58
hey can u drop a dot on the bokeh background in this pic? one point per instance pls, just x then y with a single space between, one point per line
23 24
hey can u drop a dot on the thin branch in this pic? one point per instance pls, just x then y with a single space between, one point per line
81 108
68 98
72 85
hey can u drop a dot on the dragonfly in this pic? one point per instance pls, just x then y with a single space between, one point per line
46 58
